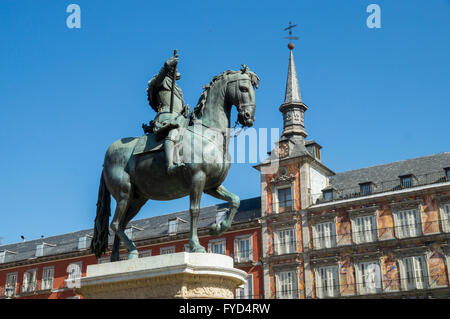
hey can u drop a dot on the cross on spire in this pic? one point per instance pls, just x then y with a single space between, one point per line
290 37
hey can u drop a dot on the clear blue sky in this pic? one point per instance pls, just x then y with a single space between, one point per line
374 95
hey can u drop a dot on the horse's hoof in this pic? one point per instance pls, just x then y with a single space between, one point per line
198 249
134 254
214 230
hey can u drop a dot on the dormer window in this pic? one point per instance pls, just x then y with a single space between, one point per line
130 231
328 195
173 226
221 215
447 173
83 242
314 149
406 181
42 249
365 188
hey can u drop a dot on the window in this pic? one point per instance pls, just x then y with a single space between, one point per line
221 216
83 242
365 188
445 218
47 278
11 284
217 246
364 229
173 226
2 256
368 277
286 285
145 253
324 235
447 173
29 281
284 197
406 181
74 274
408 223
285 241
327 282
328 195
186 248
167 250
414 273
243 249
246 292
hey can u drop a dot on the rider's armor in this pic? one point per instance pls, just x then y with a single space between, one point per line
165 125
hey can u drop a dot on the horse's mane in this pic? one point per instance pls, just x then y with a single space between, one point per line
202 100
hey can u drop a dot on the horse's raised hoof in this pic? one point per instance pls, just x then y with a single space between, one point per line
198 249
134 254
217 230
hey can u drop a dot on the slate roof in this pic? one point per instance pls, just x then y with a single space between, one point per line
426 170
153 227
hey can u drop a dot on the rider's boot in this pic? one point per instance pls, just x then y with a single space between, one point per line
169 146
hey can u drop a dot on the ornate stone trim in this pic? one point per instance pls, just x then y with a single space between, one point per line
282 180
407 204
443 199
363 210
315 219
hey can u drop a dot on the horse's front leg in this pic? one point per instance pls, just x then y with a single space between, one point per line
224 194
197 186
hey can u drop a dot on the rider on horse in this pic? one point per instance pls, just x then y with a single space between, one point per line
166 123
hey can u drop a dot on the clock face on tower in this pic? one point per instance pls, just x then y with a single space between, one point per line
283 149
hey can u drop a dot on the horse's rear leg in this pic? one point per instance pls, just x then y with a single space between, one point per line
197 186
133 209
224 194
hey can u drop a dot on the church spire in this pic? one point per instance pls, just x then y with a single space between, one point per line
293 108
292 89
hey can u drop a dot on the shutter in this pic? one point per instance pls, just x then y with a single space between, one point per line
409 273
320 283
401 224
236 250
250 248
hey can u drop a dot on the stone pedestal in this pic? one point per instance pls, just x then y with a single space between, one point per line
180 275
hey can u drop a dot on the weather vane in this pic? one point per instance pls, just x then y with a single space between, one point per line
290 37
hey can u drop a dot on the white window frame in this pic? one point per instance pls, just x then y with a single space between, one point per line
444 213
368 277
221 215
11 287
283 245
327 241
173 226
48 276
82 242
237 251
276 200
246 291
29 280
403 228
214 242
284 288
186 248
74 275
409 266
162 250
364 235
323 290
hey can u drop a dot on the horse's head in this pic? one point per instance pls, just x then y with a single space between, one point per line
240 91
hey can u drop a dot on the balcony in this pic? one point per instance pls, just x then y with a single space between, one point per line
386 186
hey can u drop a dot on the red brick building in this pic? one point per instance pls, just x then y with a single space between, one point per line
378 232
48 267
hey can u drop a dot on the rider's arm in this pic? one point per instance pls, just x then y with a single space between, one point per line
165 70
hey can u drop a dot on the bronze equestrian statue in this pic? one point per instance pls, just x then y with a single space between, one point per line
136 170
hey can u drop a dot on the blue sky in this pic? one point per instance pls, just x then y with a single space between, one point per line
374 95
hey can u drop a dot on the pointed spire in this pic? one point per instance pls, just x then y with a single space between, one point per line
293 108
292 88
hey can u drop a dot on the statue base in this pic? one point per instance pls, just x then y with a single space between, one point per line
179 275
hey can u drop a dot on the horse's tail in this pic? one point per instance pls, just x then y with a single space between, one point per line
99 243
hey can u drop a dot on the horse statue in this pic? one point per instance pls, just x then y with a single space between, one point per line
132 179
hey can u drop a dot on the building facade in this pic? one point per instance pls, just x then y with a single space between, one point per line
376 232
